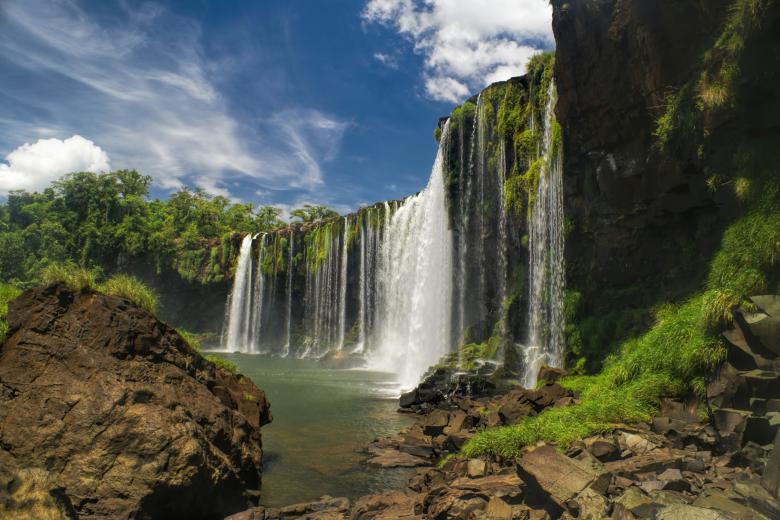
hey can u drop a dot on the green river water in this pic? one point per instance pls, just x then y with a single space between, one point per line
320 419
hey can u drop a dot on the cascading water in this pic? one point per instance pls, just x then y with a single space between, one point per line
546 270
405 283
415 302
240 300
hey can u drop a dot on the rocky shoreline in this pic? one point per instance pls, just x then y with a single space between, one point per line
687 463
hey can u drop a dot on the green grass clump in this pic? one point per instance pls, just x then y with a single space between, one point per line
190 339
7 293
670 359
82 279
75 277
222 363
132 289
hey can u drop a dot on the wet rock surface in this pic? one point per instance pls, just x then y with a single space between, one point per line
124 419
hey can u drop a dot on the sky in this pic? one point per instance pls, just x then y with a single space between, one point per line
280 102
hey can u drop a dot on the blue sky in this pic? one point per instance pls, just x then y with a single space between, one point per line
273 102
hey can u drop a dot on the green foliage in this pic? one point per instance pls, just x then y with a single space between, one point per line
7 293
132 289
95 220
190 339
679 126
437 134
75 277
312 213
222 363
82 279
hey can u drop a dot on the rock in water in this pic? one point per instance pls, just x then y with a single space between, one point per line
127 420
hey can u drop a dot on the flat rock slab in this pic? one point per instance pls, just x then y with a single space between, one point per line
560 476
391 458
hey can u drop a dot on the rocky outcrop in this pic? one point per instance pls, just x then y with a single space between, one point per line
120 414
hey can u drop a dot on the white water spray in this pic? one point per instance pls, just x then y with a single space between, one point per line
415 303
240 299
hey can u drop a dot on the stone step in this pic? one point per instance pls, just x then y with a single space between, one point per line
761 329
762 406
760 383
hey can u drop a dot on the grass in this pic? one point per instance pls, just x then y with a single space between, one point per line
78 279
222 363
7 293
74 277
190 339
132 289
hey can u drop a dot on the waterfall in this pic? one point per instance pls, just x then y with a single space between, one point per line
343 284
415 303
257 299
546 270
362 296
240 299
288 313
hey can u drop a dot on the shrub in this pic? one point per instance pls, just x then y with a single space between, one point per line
132 289
75 277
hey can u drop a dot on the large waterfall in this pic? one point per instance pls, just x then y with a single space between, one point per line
416 282
404 283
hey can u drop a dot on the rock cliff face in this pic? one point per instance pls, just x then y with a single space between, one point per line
126 420
648 202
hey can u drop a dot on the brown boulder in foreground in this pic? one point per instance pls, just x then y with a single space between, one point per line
127 420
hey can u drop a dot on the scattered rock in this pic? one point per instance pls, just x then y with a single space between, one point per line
561 477
476 468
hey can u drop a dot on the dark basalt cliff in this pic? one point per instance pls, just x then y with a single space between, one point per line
122 417
649 203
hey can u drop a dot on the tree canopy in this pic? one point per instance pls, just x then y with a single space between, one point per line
105 220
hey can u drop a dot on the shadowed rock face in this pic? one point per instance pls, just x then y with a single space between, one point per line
128 421
644 218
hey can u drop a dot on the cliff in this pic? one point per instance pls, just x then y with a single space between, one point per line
671 125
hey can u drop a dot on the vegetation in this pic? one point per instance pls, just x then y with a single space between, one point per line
96 220
311 213
82 279
130 288
7 293
222 363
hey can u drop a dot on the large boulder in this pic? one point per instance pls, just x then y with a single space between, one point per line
124 417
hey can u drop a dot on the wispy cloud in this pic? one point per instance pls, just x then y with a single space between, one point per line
467 44
144 91
387 60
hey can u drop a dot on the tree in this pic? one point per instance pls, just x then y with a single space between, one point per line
312 213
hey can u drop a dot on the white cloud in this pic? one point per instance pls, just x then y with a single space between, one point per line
467 44
34 166
147 89
387 60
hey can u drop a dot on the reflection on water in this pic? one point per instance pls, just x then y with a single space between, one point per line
321 417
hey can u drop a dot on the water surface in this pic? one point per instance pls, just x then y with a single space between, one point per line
320 419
